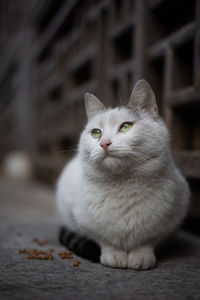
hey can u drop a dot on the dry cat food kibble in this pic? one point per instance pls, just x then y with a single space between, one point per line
47 255
65 254
39 242
38 254
76 262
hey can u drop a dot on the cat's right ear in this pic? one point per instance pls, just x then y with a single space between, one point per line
93 105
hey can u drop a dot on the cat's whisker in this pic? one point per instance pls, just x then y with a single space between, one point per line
94 156
132 154
141 155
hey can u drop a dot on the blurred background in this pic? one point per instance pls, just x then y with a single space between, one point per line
52 52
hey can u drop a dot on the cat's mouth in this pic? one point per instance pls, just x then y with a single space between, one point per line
110 154
111 161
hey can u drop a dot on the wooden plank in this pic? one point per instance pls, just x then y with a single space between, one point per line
168 82
38 11
175 40
184 97
153 4
85 55
64 45
120 70
102 54
54 26
121 27
54 81
139 42
168 71
95 11
78 93
189 163
197 48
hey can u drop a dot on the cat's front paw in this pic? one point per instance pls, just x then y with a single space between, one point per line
142 259
114 259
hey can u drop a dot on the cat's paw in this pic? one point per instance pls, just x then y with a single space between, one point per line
142 259
114 259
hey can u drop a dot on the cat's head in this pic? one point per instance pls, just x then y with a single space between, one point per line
126 136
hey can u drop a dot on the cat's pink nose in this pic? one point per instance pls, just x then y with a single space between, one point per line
105 144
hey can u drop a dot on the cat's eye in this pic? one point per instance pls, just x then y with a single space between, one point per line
126 126
96 133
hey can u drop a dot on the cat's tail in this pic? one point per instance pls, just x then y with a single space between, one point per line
79 245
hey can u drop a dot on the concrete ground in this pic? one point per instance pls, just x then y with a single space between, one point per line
27 211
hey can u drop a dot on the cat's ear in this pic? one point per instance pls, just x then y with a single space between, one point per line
93 105
143 98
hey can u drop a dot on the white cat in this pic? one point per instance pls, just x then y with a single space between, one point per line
122 189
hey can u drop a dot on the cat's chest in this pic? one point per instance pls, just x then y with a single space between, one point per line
109 209
112 200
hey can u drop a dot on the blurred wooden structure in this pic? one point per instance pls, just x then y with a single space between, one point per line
64 48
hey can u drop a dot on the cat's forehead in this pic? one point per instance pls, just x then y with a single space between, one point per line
112 117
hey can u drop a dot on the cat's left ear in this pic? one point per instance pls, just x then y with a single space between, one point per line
143 98
93 105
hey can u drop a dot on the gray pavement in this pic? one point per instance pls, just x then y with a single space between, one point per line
27 210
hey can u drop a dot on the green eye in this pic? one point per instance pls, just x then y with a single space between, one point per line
125 126
96 133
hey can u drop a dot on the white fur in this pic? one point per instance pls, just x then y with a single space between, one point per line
127 202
